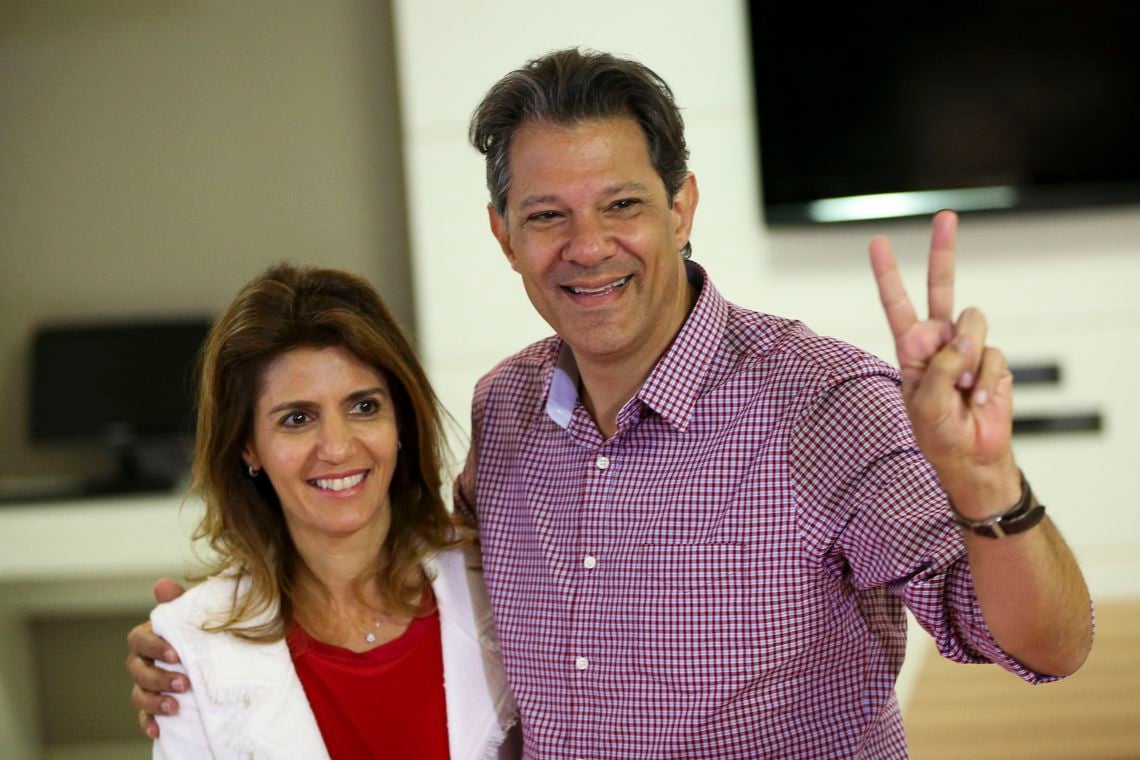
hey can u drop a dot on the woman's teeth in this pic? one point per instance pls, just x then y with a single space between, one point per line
600 291
339 484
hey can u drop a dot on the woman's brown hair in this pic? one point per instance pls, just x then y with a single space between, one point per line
286 308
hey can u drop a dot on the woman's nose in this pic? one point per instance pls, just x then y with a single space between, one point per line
336 441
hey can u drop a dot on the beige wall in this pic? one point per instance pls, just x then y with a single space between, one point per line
155 156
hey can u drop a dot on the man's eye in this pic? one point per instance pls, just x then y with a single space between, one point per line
624 204
543 216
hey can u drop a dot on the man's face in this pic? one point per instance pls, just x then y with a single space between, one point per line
596 240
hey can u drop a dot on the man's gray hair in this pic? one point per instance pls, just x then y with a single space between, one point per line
568 86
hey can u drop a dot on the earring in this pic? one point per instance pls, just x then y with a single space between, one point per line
253 471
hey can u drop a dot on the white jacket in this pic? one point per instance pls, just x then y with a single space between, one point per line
246 700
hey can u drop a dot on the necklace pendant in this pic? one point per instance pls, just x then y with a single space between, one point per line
370 637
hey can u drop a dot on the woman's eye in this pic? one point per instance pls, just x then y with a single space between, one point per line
367 406
295 419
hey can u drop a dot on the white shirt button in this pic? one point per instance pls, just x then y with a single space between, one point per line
602 462
590 562
581 663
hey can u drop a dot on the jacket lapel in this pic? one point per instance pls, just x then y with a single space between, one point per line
480 707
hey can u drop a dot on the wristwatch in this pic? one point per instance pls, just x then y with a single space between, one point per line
1017 519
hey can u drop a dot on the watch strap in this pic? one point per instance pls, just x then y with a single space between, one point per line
1022 516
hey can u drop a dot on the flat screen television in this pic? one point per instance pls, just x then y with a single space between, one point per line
877 110
127 387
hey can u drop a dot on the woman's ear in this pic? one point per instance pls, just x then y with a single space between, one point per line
249 456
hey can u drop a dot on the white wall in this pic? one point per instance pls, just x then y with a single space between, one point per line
1054 285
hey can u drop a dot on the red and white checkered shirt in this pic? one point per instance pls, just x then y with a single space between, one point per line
725 577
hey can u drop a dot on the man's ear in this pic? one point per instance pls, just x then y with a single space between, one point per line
684 207
501 232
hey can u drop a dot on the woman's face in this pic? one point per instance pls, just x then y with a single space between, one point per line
324 431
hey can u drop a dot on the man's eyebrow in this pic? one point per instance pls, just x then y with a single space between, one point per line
624 187
536 200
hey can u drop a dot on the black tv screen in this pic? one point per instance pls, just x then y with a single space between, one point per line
125 389
112 383
869 111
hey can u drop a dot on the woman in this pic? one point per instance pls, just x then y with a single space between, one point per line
339 600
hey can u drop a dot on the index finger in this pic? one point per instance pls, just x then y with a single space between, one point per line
892 293
144 642
940 274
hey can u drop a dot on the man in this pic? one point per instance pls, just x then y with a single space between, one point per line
700 524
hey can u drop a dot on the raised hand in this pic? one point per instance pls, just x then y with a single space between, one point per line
958 392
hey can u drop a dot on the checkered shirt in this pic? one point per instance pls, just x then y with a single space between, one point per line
724 577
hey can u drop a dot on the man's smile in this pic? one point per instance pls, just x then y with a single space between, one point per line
599 291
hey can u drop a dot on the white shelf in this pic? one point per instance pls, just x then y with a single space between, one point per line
107 537
83 557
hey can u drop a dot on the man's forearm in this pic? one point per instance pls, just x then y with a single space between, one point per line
1033 598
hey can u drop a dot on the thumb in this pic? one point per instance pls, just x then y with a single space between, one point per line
167 590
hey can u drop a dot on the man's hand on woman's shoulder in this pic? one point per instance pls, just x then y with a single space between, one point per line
153 685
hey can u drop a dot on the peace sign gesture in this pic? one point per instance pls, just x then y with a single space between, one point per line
958 392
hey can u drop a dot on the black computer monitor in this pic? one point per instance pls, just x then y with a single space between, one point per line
125 386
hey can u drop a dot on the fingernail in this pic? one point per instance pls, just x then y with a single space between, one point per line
981 397
168 706
170 656
963 344
152 731
966 380
178 684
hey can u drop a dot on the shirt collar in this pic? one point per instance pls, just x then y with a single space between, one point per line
563 388
673 386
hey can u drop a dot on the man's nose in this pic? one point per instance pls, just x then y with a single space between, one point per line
590 241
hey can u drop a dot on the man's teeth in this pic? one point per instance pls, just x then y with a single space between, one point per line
602 290
339 484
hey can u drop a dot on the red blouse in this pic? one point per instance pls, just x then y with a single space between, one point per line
384 703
